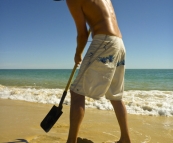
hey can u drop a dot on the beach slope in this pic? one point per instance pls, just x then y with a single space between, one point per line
20 121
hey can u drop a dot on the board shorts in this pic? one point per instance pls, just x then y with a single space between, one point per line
102 70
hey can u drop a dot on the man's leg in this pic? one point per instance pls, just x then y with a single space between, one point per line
77 111
121 113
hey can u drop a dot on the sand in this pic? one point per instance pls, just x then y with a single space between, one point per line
20 121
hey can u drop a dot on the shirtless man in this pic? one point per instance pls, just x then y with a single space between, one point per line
102 70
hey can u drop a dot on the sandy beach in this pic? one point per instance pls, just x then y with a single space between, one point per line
20 122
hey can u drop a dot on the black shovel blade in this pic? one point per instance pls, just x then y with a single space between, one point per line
51 118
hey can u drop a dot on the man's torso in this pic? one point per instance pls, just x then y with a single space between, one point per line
101 17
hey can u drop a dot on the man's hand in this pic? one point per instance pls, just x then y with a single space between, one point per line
78 59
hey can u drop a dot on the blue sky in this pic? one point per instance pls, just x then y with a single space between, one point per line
41 34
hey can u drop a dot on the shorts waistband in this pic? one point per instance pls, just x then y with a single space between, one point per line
105 37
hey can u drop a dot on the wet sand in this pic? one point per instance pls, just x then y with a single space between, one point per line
20 120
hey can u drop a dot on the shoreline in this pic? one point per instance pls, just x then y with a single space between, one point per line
21 120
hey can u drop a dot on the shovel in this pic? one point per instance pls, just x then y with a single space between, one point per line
55 111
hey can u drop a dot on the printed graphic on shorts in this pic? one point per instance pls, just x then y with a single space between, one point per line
105 60
90 54
121 63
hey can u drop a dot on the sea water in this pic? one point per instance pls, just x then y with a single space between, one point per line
147 91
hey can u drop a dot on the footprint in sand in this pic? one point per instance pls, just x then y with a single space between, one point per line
80 140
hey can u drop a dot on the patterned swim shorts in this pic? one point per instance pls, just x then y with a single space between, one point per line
102 70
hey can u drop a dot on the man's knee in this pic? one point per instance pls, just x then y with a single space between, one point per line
76 97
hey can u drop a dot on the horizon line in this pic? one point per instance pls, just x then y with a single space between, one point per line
78 68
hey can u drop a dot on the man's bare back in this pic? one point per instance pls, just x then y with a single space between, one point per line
101 17
99 14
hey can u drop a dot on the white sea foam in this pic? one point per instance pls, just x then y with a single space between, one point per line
154 102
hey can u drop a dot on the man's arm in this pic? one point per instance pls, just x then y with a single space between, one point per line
82 33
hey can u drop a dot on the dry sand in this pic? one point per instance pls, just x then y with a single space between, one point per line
20 121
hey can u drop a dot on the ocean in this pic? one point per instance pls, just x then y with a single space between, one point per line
147 91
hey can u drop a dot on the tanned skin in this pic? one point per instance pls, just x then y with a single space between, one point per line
101 18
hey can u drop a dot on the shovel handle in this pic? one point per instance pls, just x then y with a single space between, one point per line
71 76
